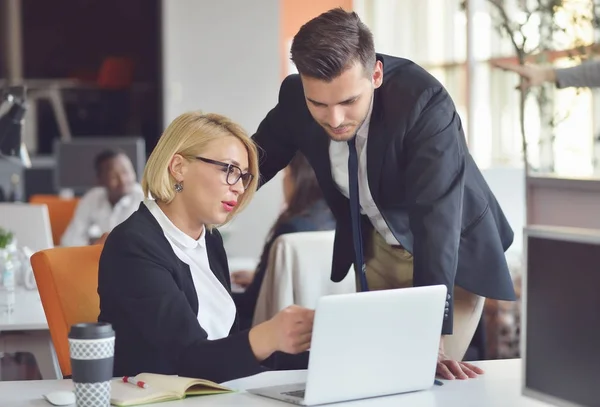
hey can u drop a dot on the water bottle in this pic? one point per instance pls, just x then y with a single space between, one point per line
8 269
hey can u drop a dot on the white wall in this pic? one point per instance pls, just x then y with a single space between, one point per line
223 57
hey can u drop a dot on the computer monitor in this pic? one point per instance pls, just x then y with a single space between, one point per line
29 223
561 315
75 159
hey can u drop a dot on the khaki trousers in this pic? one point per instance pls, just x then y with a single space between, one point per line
392 267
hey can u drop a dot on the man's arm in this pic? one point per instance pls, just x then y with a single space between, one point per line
586 74
275 150
583 75
435 183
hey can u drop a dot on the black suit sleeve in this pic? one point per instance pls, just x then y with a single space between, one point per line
435 184
273 136
142 294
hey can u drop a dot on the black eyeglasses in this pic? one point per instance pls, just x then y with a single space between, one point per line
234 173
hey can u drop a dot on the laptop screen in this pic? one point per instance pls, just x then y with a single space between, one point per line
562 341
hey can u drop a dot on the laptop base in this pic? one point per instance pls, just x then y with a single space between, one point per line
290 393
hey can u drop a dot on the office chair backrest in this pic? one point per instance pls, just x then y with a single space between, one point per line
295 277
61 211
67 279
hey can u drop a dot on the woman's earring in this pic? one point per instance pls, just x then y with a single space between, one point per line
178 187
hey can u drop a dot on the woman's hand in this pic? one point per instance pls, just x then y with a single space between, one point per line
289 331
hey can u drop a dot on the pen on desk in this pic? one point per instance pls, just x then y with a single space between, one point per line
137 383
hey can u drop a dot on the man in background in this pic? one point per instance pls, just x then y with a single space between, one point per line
102 208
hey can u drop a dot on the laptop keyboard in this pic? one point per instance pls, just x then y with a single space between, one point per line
295 393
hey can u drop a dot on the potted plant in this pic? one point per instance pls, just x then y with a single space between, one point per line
8 251
6 239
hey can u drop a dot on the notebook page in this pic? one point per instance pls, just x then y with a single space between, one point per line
126 394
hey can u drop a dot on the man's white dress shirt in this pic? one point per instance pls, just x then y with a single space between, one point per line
338 154
95 215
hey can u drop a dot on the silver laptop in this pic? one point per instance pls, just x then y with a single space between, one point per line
30 224
370 344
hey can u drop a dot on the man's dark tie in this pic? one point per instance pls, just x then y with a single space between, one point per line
359 261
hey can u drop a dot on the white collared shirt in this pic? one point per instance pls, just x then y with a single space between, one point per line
95 215
216 309
338 154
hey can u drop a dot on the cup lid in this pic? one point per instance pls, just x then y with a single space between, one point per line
96 330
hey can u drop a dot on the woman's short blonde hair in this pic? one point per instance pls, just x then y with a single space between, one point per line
189 135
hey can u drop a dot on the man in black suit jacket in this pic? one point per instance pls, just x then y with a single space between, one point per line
428 216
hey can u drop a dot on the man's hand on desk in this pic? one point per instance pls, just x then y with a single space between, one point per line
451 369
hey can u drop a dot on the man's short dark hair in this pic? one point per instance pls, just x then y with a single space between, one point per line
331 43
103 157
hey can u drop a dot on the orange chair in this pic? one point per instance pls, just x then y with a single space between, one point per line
115 73
67 279
60 210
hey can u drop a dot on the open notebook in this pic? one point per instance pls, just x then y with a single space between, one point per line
161 388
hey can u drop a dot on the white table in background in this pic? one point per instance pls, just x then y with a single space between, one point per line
26 330
499 387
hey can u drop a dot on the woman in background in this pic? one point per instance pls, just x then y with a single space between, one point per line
163 279
306 211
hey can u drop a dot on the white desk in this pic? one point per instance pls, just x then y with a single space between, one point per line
28 314
26 330
499 387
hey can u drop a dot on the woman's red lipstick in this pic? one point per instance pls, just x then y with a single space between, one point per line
229 205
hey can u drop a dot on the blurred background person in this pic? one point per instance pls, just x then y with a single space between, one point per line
102 208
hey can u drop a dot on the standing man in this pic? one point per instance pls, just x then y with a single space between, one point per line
388 149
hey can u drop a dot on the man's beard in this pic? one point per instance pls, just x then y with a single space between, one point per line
350 134
353 128
345 136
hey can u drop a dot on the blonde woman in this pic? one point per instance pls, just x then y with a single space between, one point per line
163 279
